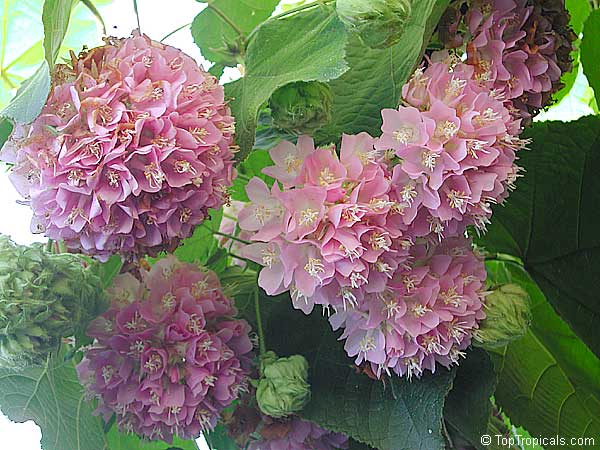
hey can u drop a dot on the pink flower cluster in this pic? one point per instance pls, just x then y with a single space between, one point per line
334 232
168 355
457 142
336 235
296 434
132 147
520 48
425 316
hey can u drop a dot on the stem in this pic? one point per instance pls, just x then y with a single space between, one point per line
241 258
137 15
175 31
49 246
226 19
234 238
261 335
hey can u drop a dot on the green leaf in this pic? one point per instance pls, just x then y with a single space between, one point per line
30 98
55 17
468 407
549 381
219 39
6 128
251 167
590 51
551 221
122 441
390 414
110 269
306 46
218 439
199 247
52 397
579 11
375 78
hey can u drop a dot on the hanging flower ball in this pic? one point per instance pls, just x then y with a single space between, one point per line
169 355
457 144
133 146
295 433
426 316
520 48
255 431
332 232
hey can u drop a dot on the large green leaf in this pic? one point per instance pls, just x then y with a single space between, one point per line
221 40
121 441
375 78
390 414
305 46
551 221
468 407
590 51
55 17
52 397
199 247
548 381
30 98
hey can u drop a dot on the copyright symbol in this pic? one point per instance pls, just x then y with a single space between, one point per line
486 439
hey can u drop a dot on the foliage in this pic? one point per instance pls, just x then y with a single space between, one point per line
544 238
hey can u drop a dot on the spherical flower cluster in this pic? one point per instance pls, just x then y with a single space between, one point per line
333 233
427 315
255 431
132 147
456 142
521 48
168 355
296 434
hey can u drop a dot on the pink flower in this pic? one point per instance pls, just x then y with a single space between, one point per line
460 157
342 234
168 355
132 148
425 315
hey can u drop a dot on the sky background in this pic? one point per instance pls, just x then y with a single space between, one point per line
157 21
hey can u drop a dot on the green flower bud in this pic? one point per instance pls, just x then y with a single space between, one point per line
378 23
283 388
508 316
301 107
43 298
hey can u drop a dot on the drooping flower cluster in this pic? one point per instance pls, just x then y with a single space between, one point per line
333 232
295 433
518 47
132 147
457 143
336 236
168 356
255 431
426 315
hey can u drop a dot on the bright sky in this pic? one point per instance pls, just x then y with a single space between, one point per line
157 21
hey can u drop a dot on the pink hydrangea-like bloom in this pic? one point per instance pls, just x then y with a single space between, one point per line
520 48
456 141
296 434
426 315
168 355
334 232
132 147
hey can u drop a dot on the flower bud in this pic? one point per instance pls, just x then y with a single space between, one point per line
508 315
283 388
301 107
378 23
43 298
